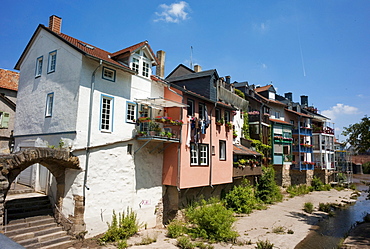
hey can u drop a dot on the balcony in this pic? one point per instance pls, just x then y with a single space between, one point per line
256 117
281 139
303 131
324 130
247 171
303 148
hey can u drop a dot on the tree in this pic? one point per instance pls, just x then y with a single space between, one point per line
359 135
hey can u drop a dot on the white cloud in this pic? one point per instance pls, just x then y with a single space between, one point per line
340 110
175 12
264 66
262 27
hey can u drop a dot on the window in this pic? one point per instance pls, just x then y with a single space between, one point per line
201 111
193 154
222 150
49 105
277 114
203 157
135 65
227 116
38 66
109 74
131 112
106 111
218 114
292 122
129 149
4 117
52 61
145 69
199 154
190 107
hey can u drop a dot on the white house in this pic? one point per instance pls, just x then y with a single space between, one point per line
74 95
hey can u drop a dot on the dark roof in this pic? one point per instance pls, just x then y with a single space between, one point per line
181 67
239 149
193 75
298 113
9 79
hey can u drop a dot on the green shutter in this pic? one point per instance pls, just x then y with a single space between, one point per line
5 120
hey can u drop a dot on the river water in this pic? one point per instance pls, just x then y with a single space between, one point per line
329 232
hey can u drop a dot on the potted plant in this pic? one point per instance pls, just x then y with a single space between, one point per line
144 119
169 134
142 133
220 122
153 128
229 125
235 134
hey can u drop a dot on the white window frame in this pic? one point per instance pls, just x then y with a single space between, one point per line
277 114
131 112
203 154
110 71
4 119
193 154
190 108
38 70
202 111
141 64
52 61
222 144
106 123
49 105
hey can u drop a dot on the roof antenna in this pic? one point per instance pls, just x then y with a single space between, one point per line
191 57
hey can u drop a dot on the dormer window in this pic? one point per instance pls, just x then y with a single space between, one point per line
141 63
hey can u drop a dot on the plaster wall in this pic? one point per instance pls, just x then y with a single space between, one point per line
32 92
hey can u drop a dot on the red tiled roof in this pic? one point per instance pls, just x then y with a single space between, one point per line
90 49
298 113
270 100
132 48
9 79
262 88
239 149
279 121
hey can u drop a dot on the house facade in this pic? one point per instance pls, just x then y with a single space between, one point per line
78 97
8 98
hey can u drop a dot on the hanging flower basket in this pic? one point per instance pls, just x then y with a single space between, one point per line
144 119
229 125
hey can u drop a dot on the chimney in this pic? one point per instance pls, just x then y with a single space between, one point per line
304 100
161 55
197 68
289 96
228 78
55 23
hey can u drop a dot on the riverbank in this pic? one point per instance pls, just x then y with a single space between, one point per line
286 217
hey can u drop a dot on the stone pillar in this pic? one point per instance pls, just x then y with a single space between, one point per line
79 225
170 203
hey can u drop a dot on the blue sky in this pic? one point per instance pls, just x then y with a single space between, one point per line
316 48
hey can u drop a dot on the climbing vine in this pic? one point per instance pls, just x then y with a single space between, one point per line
245 127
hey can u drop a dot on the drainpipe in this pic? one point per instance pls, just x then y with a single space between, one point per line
210 139
89 129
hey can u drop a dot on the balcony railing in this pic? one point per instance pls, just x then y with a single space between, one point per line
257 118
303 149
281 139
303 165
303 131
325 130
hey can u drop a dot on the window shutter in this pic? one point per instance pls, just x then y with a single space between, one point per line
5 120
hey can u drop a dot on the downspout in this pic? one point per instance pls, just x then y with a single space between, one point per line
89 129
210 139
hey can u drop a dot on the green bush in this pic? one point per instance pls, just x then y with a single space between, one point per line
317 184
308 207
241 199
325 207
122 228
267 189
176 229
122 244
366 168
211 221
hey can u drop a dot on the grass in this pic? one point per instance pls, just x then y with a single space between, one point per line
279 230
264 244
308 207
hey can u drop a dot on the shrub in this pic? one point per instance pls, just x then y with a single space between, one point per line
325 207
176 229
123 228
264 244
308 207
122 244
267 189
241 199
211 221
366 168
317 184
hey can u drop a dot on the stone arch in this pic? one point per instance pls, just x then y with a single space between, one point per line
55 160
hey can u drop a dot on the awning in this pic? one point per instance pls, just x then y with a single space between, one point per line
160 102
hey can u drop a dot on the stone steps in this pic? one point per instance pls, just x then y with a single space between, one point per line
32 225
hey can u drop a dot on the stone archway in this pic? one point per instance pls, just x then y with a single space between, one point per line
55 160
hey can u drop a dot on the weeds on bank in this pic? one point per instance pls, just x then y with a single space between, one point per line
264 244
308 207
327 208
